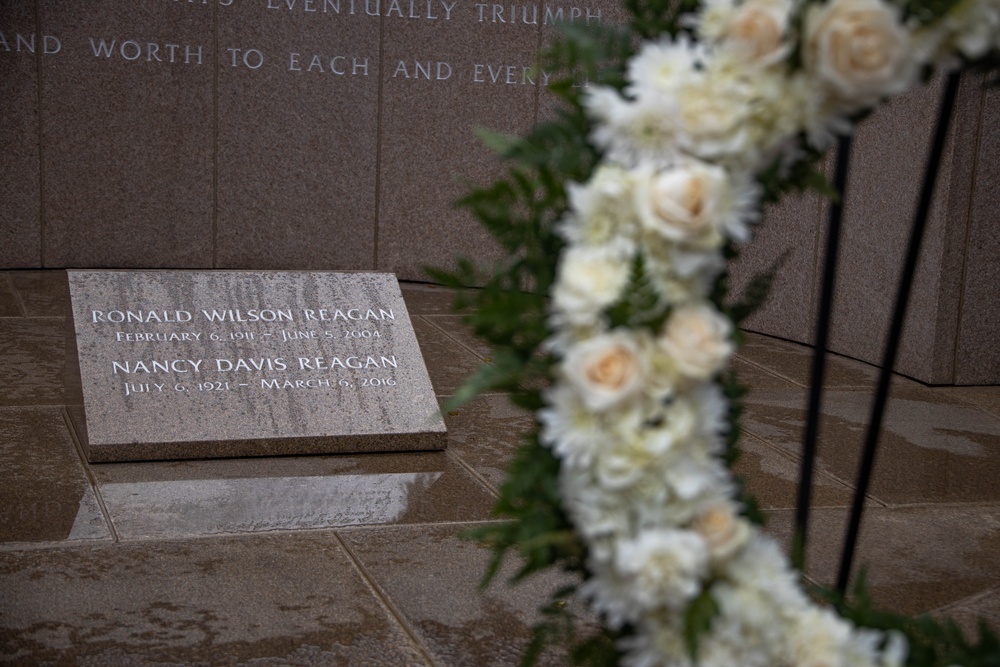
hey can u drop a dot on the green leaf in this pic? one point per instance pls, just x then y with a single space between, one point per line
817 180
499 143
502 370
698 619
640 304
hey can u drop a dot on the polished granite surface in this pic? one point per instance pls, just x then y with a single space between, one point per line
358 559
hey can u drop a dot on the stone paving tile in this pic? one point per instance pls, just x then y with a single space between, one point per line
772 477
427 299
984 398
793 361
970 612
756 378
431 575
32 361
917 558
453 326
930 450
44 293
45 495
187 498
448 363
485 433
261 600
9 306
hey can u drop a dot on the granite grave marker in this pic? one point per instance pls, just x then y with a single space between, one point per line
198 364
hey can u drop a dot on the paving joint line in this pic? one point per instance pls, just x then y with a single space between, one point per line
386 601
75 437
472 471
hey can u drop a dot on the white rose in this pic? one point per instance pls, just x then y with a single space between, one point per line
859 50
606 370
590 280
666 566
757 30
682 204
697 338
723 531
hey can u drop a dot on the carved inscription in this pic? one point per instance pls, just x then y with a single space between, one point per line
333 64
218 356
348 336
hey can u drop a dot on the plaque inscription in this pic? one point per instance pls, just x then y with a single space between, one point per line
196 364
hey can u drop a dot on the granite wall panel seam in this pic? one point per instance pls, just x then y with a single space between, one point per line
41 162
976 148
822 209
215 135
539 46
378 140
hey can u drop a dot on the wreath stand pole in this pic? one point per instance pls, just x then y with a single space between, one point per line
895 332
819 356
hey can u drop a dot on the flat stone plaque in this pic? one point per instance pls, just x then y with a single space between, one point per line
198 364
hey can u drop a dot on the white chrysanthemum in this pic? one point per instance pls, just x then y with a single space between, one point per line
762 566
858 50
755 29
600 517
823 121
695 477
608 370
569 427
713 410
678 274
635 447
589 280
665 567
747 623
974 27
660 67
602 211
608 594
631 132
777 114
895 651
659 642
714 109
820 638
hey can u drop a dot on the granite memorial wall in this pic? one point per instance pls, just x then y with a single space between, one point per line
335 134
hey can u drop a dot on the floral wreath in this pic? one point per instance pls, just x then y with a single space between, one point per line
669 155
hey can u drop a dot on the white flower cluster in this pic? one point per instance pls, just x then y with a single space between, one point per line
636 415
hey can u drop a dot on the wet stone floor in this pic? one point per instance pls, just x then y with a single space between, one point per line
358 560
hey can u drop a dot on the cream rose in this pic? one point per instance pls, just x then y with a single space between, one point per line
757 30
859 50
683 204
723 531
697 339
606 370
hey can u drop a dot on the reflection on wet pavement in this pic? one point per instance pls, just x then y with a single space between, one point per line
210 506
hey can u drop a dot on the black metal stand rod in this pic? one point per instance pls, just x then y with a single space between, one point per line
819 356
895 331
